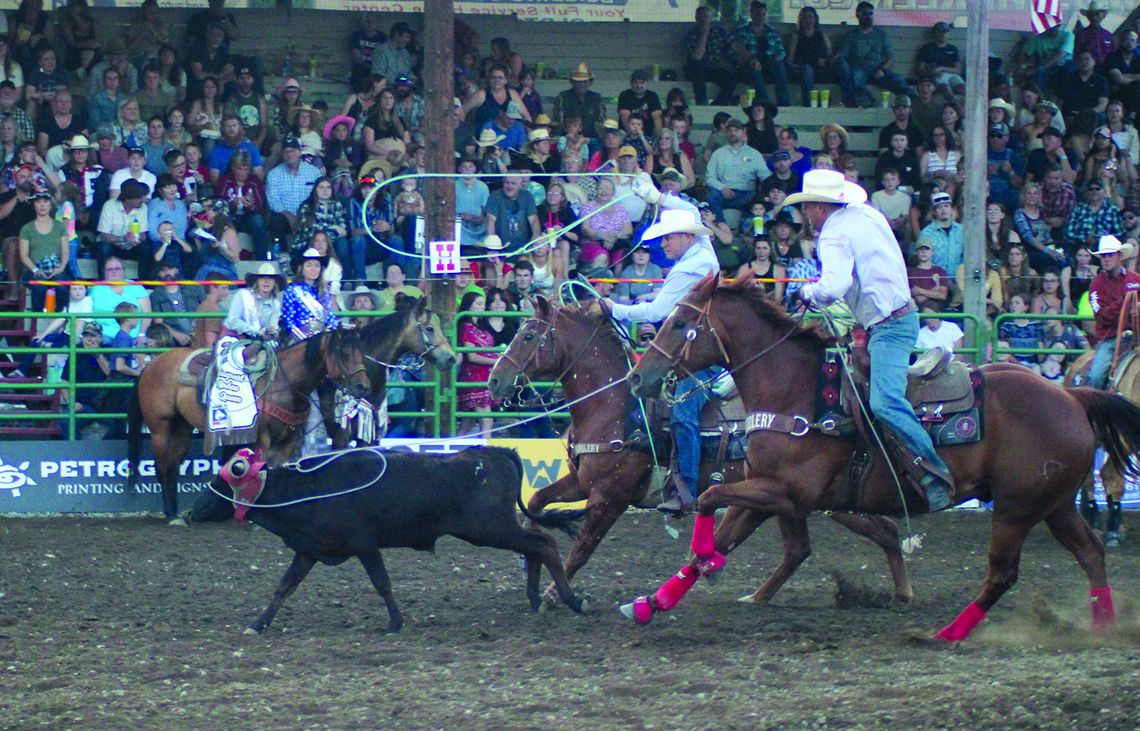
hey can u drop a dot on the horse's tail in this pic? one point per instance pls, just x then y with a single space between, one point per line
134 436
563 520
1116 422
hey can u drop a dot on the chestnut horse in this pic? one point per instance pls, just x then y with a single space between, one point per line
579 347
1038 447
172 411
412 328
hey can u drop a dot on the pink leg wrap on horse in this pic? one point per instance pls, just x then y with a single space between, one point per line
711 565
676 587
703 543
1103 612
961 627
642 610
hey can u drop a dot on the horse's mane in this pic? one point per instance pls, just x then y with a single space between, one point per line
579 312
340 342
773 312
381 329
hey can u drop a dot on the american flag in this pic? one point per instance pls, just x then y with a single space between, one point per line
1045 15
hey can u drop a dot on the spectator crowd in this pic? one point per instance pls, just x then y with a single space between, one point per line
162 145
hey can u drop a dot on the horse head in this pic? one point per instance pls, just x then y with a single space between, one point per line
344 361
548 345
686 342
424 336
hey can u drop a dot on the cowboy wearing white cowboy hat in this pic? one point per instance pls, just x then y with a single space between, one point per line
687 242
1106 297
862 264
256 309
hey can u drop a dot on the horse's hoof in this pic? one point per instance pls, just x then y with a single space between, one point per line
639 610
1112 539
251 631
749 599
177 521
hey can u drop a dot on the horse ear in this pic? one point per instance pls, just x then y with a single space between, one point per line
404 302
704 288
421 305
541 306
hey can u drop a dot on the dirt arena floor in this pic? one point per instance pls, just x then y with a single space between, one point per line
127 623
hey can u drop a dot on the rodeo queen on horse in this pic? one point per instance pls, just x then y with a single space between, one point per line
862 264
686 242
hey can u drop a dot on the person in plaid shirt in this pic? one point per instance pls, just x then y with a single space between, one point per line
1093 218
1058 199
708 47
760 51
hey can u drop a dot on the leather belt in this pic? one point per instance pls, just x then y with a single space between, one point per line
904 310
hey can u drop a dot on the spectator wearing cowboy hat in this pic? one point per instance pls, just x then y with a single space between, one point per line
305 124
255 310
83 172
760 127
539 155
307 305
509 124
361 299
579 102
1092 36
342 154
863 264
1106 296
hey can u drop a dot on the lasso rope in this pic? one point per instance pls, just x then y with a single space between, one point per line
324 460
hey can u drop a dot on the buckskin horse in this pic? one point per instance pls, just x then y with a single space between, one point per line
412 328
579 347
172 411
1037 446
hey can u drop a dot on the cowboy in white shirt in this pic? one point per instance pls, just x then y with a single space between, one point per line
687 243
862 264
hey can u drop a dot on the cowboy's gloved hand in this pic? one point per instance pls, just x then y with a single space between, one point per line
800 300
644 189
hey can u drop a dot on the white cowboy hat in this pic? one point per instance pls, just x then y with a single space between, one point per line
347 298
538 134
675 222
266 269
827 186
1111 245
488 138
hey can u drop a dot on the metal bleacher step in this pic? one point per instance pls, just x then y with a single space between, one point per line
50 431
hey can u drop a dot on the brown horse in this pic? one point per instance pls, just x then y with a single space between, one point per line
579 347
172 411
412 328
1038 446
1127 384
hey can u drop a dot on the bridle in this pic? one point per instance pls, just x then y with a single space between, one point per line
425 340
544 336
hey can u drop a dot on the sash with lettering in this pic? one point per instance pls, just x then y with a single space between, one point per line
232 408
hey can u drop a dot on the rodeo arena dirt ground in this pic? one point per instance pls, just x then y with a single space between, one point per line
128 623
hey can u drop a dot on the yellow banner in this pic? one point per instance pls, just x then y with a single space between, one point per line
544 461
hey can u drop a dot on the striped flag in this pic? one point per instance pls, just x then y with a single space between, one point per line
1045 15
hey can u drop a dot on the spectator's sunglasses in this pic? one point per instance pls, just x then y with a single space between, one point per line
367 181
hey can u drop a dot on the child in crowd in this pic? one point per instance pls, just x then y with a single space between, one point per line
90 369
125 365
894 205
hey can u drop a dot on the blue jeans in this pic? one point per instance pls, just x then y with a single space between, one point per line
773 71
686 425
890 80
717 201
1101 363
254 225
365 251
838 71
890 346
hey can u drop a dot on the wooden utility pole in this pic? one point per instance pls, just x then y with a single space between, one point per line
975 144
439 138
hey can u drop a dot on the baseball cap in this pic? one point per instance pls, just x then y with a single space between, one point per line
629 150
939 198
404 80
941 27
780 155
92 328
999 128
923 244
245 70
105 132
639 75
136 151
7 84
1050 132
1103 132
901 100
733 122
291 142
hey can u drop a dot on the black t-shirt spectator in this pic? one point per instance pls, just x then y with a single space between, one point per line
1076 93
642 107
1038 163
915 138
907 165
21 214
792 185
57 135
197 25
87 370
936 55
364 43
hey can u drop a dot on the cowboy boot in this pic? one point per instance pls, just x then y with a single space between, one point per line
933 484
681 502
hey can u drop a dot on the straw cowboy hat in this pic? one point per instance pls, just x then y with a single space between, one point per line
581 73
675 221
488 138
1111 245
827 186
316 115
543 120
313 254
673 172
289 83
369 169
491 242
79 142
339 119
536 135
1094 8
347 298
836 129
265 270
1003 104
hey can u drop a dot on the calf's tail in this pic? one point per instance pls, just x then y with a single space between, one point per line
563 520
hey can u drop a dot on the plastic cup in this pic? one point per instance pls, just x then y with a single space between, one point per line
136 227
656 72
815 97
540 69
748 96
885 98
757 225
825 98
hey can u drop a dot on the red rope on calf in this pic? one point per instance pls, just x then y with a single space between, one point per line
1103 612
965 623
